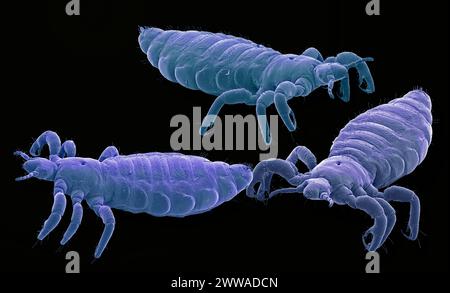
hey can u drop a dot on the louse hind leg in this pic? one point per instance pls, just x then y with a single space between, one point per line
401 194
235 96
109 152
105 213
313 53
58 208
77 215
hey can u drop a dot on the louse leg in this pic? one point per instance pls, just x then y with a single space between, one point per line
286 91
77 215
105 213
388 209
262 174
373 208
402 194
68 149
303 154
390 216
329 73
283 93
351 60
58 208
264 101
49 138
22 155
109 152
235 96
376 212
313 53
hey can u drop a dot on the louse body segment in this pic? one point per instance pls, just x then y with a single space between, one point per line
390 140
160 184
371 152
237 70
170 184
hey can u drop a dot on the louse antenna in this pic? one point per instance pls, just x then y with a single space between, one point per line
30 175
354 63
22 155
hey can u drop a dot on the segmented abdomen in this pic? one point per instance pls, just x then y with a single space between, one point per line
390 140
170 184
212 63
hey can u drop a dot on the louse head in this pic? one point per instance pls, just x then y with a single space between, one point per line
318 189
326 74
37 167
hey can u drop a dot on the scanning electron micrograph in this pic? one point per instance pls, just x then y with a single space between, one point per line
239 71
370 153
159 184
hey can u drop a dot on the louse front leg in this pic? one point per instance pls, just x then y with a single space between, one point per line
373 208
49 138
58 208
109 152
304 155
77 215
351 60
235 96
285 91
56 150
262 175
391 217
68 149
402 194
105 213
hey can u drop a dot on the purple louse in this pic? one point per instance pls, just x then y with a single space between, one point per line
371 152
239 71
159 184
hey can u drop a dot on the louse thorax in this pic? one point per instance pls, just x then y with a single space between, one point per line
287 67
82 174
341 171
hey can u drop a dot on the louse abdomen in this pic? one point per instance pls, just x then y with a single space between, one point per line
171 184
390 140
210 62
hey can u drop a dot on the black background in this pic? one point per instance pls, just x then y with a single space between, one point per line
87 80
